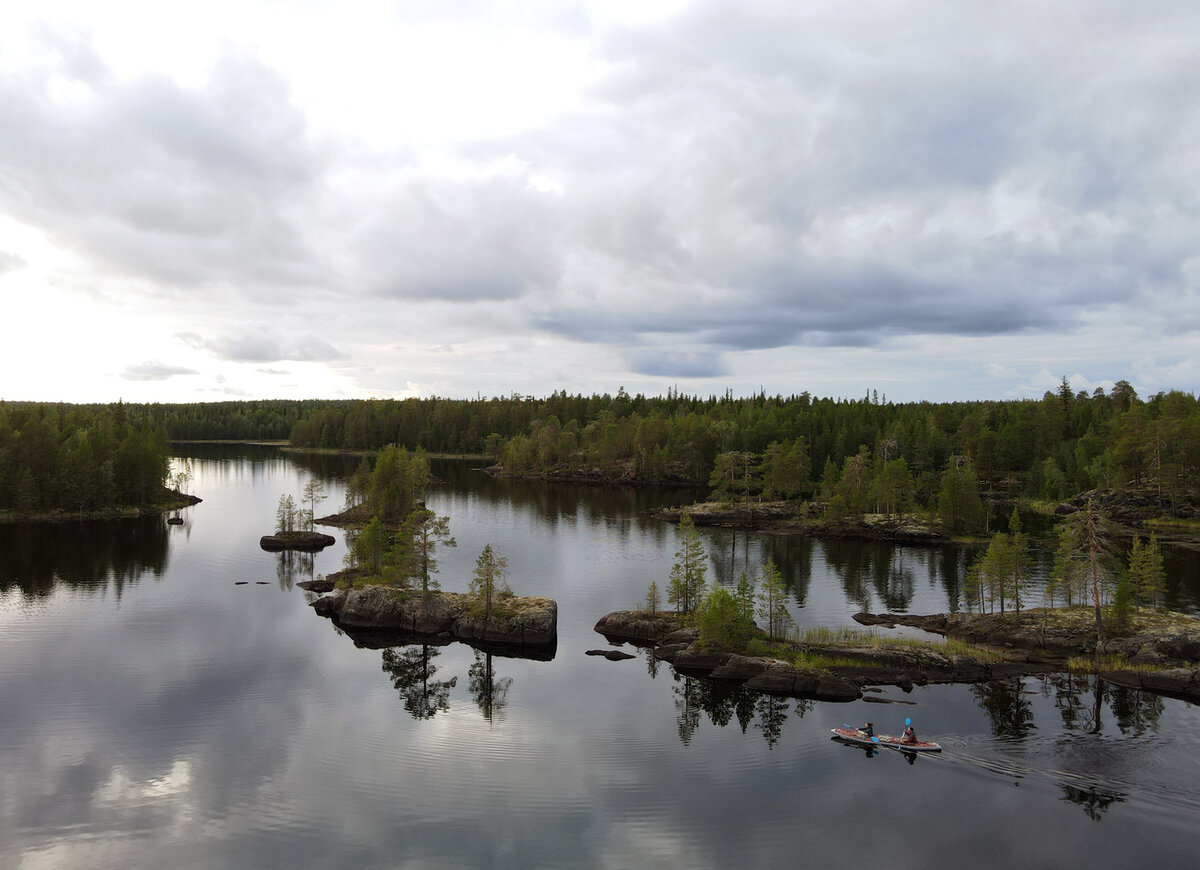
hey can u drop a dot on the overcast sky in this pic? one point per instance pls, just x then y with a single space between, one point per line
457 197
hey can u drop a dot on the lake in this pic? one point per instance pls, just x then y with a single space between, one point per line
168 698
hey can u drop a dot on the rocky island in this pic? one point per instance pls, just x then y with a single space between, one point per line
1161 655
385 615
309 542
793 518
1158 652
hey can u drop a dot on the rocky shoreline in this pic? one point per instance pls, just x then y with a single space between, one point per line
1162 658
173 501
858 670
387 616
1162 650
790 518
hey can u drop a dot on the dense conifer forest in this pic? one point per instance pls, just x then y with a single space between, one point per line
78 458
854 455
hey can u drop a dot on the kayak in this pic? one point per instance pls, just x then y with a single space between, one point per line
858 738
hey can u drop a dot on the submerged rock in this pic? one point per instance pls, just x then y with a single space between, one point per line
613 655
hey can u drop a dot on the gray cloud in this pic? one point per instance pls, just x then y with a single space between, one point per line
154 371
678 364
737 178
263 347
177 185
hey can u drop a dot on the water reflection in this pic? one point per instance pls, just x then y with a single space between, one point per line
489 690
412 671
1093 801
1081 702
1007 706
722 701
88 555
292 566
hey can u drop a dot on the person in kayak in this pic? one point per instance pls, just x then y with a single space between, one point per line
909 736
868 730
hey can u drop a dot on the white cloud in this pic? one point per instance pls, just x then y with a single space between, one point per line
592 195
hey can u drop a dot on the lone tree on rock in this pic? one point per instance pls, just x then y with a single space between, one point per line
488 580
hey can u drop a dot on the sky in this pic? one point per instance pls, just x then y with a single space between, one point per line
934 200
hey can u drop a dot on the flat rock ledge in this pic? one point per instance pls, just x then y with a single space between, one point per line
789 518
306 541
869 667
517 624
1168 647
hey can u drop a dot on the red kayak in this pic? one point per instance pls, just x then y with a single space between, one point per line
858 738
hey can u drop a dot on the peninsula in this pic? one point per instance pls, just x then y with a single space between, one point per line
1160 653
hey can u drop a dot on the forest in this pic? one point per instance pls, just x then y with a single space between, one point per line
78 458
851 455
854 455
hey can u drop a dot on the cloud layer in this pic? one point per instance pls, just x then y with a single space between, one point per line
714 196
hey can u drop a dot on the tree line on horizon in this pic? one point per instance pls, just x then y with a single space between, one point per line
852 455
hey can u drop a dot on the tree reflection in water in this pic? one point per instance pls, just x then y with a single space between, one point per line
489 691
722 701
412 671
293 565
1094 802
89 555
1008 709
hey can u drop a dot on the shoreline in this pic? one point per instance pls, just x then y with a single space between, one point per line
123 512
1163 658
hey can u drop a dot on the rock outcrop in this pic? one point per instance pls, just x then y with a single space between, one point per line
790 518
306 541
376 613
1165 647
855 669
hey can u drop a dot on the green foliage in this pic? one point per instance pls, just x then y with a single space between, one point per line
1048 448
78 458
772 602
686 587
369 547
418 539
1085 538
314 494
653 599
959 505
1122 604
785 470
1147 576
285 514
721 623
1068 577
398 484
487 581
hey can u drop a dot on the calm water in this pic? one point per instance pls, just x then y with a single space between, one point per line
168 698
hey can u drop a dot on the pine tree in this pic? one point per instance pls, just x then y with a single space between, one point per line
686 587
1146 574
487 583
653 599
772 602
423 532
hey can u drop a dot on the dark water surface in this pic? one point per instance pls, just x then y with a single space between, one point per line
167 698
